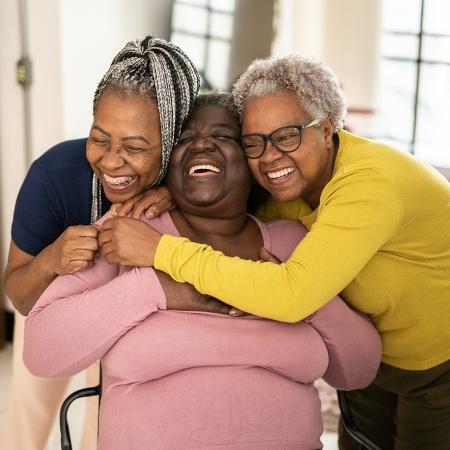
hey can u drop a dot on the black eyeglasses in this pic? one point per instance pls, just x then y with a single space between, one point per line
285 139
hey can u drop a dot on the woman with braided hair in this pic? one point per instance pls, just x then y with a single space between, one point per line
140 106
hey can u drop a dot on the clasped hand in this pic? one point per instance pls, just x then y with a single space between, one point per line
127 241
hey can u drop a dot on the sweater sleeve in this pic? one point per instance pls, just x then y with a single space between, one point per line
80 316
357 216
353 344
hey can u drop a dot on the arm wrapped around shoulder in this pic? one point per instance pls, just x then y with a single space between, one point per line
353 344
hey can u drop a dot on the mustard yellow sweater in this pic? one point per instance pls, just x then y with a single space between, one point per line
380 237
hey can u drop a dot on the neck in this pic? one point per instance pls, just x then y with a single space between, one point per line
210 229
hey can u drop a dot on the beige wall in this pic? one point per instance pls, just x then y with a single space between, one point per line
344 34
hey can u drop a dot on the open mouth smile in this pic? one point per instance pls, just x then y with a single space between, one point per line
119 183
280 175
201 170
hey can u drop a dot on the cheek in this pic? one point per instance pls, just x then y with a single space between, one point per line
253 165
148 167
92 154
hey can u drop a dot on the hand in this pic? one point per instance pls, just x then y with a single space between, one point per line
154 202
74 250
184 297
128 242
266 256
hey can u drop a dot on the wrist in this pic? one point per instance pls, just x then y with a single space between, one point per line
47 263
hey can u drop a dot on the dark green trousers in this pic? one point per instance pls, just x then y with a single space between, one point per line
403 410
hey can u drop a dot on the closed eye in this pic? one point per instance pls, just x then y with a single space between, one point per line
98 141
133 149
223 137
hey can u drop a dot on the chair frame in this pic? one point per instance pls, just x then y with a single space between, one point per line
66 442
349 424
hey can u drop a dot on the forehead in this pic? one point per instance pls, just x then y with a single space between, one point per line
127 113
210 116
121 102
264 114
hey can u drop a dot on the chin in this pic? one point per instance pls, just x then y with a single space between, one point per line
284 196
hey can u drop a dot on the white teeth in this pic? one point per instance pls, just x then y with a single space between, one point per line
280 173
204 167
117 181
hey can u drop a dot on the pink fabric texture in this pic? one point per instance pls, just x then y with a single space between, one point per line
180 380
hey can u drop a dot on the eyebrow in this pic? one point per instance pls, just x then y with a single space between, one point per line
132 138
96 127
127 138
223 125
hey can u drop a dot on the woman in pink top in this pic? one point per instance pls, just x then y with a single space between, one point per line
194 380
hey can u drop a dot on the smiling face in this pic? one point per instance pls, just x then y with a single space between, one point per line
207 167
301 173
124 144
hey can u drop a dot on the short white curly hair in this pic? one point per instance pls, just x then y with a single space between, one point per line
315 84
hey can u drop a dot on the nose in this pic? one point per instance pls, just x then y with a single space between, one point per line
112 160
201 144
271 154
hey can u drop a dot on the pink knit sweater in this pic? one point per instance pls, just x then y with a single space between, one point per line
180 380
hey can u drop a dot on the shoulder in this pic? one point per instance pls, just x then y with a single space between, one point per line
374 160
64 155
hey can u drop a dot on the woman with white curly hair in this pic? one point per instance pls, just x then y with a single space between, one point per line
378 222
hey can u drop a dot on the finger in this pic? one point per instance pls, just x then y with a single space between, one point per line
112 258
82 255
139 209
236 312
104 237
77 265
109 223
115 207
128 206
215 306
106 249
81 231
85 243
155 210
266 256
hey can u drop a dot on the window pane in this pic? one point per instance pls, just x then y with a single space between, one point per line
436 48
399 45
433 118
222 25
223 5
189 18
394 116
194 2
401 15
218 64
437 16
193 46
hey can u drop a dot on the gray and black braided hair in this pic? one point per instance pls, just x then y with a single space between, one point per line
161 70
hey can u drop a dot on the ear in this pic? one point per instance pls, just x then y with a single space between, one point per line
328 131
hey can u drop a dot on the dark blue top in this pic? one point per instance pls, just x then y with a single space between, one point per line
56 193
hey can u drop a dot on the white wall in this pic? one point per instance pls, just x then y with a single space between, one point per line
12 161
71 44
92 32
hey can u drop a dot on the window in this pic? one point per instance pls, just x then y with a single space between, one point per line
415 78
204 28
